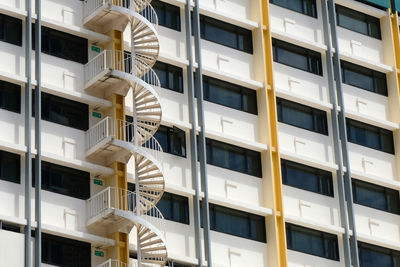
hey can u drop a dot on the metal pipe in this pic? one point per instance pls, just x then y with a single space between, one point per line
38 131
202 135
193 131
343 135
336 134
28 143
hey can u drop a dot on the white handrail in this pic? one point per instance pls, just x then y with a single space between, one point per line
122 199
89 6
117 263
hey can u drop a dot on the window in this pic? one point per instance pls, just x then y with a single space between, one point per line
375 196
10 227
237 223
10 96
306 7
61 251
229 95
174 264
174 208
63 45
370 136
364 78
172 140
10 169
64 180
10 30
233 157
307 178
63 111
170 76
372 256
312 242
297 57
226 34
302 116
168 15
358 22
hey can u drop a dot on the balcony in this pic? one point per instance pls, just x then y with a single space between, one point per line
115 209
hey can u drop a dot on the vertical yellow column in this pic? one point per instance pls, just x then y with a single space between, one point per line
119 180
275 224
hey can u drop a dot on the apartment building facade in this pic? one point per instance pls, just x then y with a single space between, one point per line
199 133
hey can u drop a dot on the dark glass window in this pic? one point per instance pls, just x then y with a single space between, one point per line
10 96
65 252
63 180
233 157
10 167
170 76
174 207
306 7
376 196
307 178
172 140
226 34
370 136
10 30
297 57
373 256
63 111
10 227
229 95
168 15
358 22
302 116
237 223
63 45
312 242
364 78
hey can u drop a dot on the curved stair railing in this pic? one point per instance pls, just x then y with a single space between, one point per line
125 71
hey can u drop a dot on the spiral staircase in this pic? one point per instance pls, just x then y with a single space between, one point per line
117 72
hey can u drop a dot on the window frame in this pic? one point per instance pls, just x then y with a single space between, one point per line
236 30
210 143
170 69
316 115
14 157
172 134
320 174
50 101
165 7
380 131
290 228
385 191
52 169
310 55
304 12
240 90
348 66
5 22
7 88
172 200
251 220
368 20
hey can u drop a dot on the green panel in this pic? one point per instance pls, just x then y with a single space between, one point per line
99 253
96 114
98 182
378 3
396 5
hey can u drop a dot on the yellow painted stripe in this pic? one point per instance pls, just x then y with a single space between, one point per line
278 221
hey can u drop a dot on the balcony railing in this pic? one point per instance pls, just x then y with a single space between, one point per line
121 199
120 61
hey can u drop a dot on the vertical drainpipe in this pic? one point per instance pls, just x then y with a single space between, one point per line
28 143
38 131
343 136
202 135
193 131
336 135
